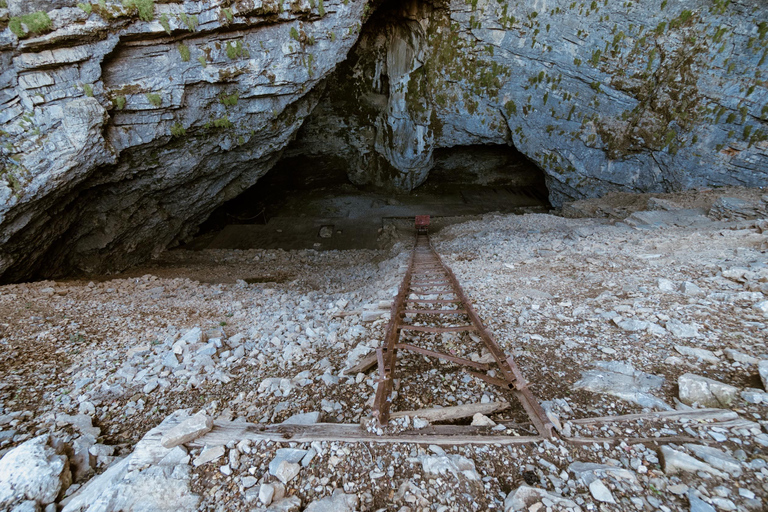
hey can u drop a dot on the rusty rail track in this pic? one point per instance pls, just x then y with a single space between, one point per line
429 282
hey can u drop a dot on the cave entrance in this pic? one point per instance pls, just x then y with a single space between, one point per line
308 202
374 133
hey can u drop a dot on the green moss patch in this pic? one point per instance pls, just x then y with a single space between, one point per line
184 52
154 99
144 8
33 23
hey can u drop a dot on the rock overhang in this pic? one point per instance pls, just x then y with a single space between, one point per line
123 130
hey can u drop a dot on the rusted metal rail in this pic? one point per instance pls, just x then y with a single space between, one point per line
429 281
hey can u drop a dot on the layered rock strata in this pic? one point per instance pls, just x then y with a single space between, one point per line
650 96
125 124
121 134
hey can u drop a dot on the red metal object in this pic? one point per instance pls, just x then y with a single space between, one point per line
422 223
427 275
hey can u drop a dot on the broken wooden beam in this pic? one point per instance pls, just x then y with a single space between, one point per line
454 412
694 414
365 364
636 440
225 432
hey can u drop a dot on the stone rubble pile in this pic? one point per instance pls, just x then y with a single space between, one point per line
112 390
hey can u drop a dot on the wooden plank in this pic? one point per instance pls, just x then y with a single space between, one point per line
224 432
432 301
441 355
467 429
740 423
365 364
427 328
342 314
636 440
435 312
696 414
454 412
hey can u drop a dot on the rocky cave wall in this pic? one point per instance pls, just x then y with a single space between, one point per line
121 134
634 96
124 125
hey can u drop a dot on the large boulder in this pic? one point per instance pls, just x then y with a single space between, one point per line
763 369
98 143
33 471
623 381
596 105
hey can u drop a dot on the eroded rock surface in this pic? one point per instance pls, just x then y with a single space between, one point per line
121 131
33 471
601 96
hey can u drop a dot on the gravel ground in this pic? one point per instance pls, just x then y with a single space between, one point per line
263 335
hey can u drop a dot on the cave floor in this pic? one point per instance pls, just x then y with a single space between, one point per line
260 335
343 217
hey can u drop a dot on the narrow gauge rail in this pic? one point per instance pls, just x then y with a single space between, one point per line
429 283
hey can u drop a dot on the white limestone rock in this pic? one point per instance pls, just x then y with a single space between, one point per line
681 330
481 420
266 493
339 501
209 455
188 430
600 492
698 353
26 506
740 357
457 465
689 288
717 459
590 471
248 481
304 418
33 471
762 367
665 285
754 396
157 488
623 381
289 504
293 455
630 324
80 461
151 478
761 307
676 461
287 471
694 389
525 496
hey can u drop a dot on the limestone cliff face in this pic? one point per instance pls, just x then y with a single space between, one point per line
121 134
635 96
125 124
